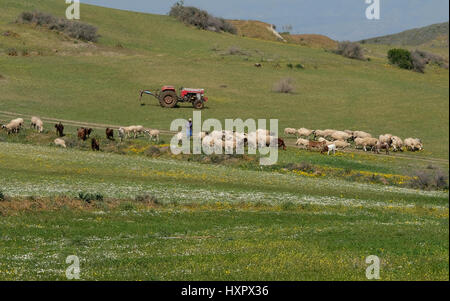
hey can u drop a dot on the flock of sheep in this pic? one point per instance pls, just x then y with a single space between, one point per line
231 140
325 140
15 125
334 139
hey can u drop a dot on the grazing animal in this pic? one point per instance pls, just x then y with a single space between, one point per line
361 134
59 129
341 144
387 138
88 132
153 134
365 142
302 142
258 65
413 144
12 127
329 148
397 144
109 134
82 133
380 146
95 145
60 142
36 123
316 144
281 143
339 135
302 132
290 131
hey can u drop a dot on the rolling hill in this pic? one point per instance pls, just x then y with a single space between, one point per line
136 211
435 35
59 77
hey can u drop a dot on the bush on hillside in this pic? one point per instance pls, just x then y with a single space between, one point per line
285 85
401 58
419 63
350 50
200 18
74 29
431 58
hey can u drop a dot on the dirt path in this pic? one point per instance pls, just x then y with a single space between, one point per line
288 143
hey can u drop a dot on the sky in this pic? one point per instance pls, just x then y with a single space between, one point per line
338 19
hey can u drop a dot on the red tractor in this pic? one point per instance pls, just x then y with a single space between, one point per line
168 97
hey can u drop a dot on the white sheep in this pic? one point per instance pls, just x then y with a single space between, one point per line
339 135
386 138
153 134
361 134
12 127
303 132
397 143
341 144
331 148
290 131
302 142
37 123
413 144
365 142
60 142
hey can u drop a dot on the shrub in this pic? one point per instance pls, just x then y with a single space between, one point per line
200 18
428 181
153 151
12 52
418 62
287 206
74 29
351 50
299 66
235 50
401 58
303 166
147 198
285 85
88 197
431 58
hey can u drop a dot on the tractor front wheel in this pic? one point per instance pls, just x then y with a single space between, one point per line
168 99
198 104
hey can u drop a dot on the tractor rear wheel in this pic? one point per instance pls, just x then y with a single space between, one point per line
198 104
168 99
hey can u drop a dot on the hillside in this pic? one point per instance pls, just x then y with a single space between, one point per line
311 40
435 35
265 31
59 77
255 29
133 210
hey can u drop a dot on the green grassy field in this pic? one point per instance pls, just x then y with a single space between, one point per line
234 224
204 219
100 83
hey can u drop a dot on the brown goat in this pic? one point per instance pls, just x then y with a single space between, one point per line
316 144
95 145
281 143
109 134
82 134
59 129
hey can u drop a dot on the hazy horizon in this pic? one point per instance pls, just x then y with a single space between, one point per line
340 20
